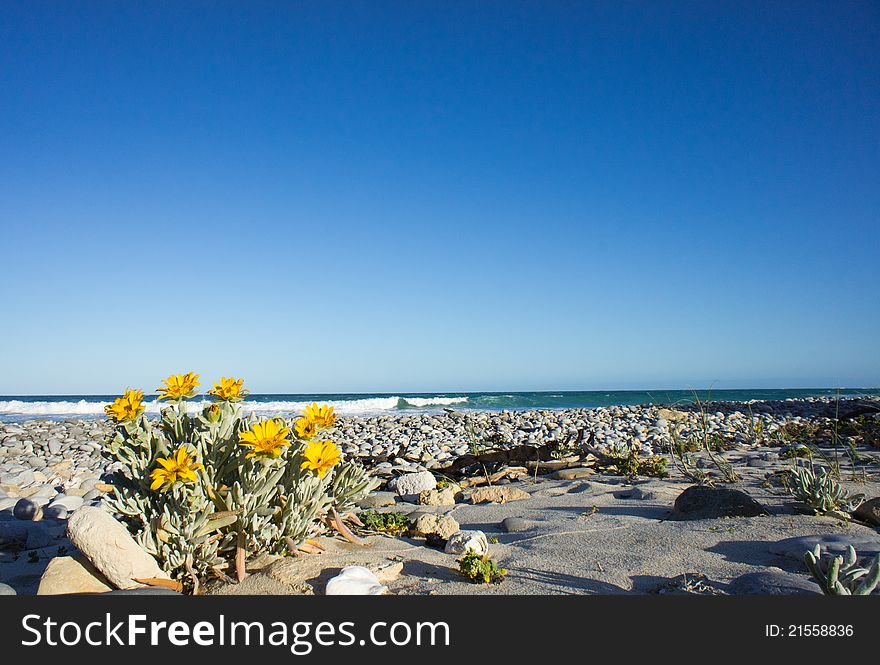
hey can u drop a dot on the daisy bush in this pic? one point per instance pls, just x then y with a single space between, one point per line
205 491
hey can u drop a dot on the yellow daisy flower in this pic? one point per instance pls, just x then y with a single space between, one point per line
265 439
305 428
181 467
323 416
179 386
229 390
127 407
321 456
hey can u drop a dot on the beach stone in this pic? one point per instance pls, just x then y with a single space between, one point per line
378 500
444 497
386 571
6 590
55 512
7 503
773 583
414 483
516 524
869 511
71 574
496 494
701 502
54 446
462 541
111 549
672 415
18 478
573 473
425 525
27 509
355 581
68 502
833 543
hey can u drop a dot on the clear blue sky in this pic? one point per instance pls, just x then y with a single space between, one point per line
371 196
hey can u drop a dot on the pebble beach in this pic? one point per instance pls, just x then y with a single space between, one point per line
50 469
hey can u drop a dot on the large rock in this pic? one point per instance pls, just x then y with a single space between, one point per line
111 549
498 494
833 543
869 511
461 542
701 502
773 583
440 526
414 483
71 574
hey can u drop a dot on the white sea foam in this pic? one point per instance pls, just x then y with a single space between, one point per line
351 407
433 401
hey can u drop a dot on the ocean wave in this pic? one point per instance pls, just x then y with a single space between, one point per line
421 402
350 407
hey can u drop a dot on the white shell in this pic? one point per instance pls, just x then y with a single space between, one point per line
355 581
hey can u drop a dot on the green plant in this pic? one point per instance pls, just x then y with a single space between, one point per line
632 463
201 491
843 576
480 569
799 432
390 523
797 452
818 489
681 449
708 442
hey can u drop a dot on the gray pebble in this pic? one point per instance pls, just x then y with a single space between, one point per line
516 524
25 509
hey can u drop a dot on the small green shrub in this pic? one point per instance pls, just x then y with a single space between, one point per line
820 491
391 523
799 432
796 452
633 464
480 569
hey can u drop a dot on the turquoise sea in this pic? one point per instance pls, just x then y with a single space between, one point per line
60 407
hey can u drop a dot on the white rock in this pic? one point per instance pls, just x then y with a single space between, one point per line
414 483
462 541
355 581
110 548
70 503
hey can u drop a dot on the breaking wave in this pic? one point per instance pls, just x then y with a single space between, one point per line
344 407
